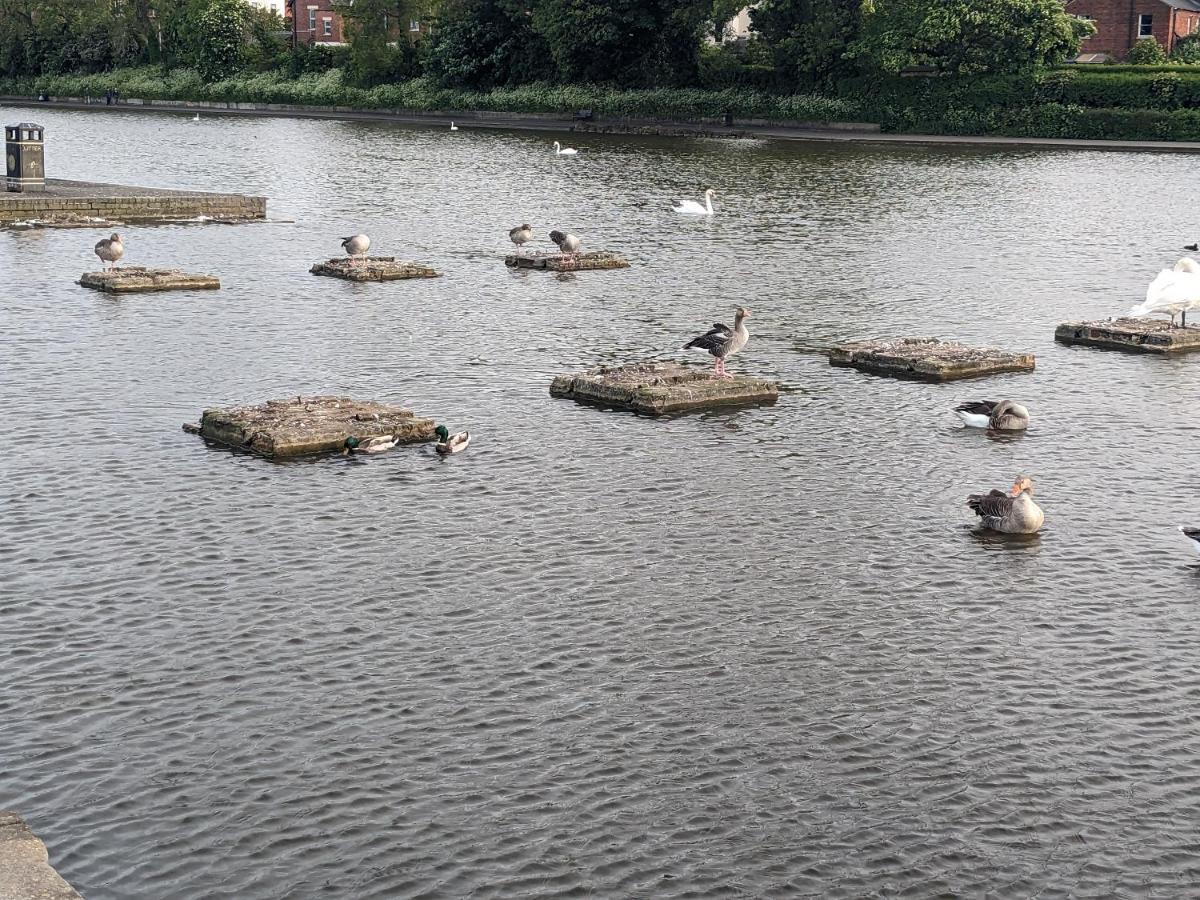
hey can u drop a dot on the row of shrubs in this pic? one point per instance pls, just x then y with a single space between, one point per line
330 89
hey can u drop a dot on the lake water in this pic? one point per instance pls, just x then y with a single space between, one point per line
758 652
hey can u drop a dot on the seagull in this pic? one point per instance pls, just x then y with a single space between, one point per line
1011 513
722 341
998 416
1173 292
560 150
110 250
520 235
1192 534
568 244
453 127
356 246
692 208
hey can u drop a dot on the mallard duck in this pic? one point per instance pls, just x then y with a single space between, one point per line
110 250
448 444
722 341
1004 415
1011 513
377 444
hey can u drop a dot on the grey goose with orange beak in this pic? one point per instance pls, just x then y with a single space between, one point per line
1011 513
722 341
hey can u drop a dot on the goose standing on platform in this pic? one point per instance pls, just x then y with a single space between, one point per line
448 444
110 250
356 246
1011 513
560 150
692 208
521 235
722 341
567 243
1004 415
1173 292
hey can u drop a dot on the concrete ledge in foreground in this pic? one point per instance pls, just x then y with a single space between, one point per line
25 870
1134 335
657 389
927 359
372 268
71 204
140 280
301 426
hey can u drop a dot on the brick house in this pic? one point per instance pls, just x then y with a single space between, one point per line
316 22
1120 23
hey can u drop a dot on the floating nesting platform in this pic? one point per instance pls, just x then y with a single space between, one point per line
1136 335
73 204
657 389
927 359
301 426
563 262
140 280
372 268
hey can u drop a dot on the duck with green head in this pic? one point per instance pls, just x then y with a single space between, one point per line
448 443
377 444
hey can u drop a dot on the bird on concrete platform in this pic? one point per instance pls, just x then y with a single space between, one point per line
568 244
520 236
1003 415
722 341
448 443
110 250
1173 292
1011 513
356 246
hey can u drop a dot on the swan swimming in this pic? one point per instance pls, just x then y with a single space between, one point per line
453 127
692 208
196 117
1173 292
560 150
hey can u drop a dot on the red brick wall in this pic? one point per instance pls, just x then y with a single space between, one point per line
324 11
1117 23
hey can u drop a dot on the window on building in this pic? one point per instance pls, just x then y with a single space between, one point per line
327 27
1145 25
414 24
312 20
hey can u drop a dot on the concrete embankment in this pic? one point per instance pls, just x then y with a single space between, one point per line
25 870
82 202
858 132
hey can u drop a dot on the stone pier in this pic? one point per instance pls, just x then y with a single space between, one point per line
25 870
76 204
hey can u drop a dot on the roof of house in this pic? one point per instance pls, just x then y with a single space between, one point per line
1193 5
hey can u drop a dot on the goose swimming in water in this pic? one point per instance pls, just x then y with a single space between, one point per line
356 246
1004 415
110 250
1011 513
568 244
521 235
560 150
692 208
722 341
1173 292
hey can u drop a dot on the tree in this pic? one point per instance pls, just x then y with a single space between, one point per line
485 43
1146 52
220 38
968 36
632 42
809 38
378 53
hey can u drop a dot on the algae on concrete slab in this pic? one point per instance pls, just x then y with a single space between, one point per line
141 280
565 262
1135 335
661 388
372 268
300 426
927 359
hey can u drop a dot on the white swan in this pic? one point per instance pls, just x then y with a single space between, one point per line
1173 292
453 127
196 117
560 150
692 208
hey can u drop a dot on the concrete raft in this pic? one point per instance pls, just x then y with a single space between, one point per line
1135 335
372 268
300 426
25 870
141 280
656 389
562 262
927 359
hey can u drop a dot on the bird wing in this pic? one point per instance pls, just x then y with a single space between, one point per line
977 407
1171 289
992 505
713 339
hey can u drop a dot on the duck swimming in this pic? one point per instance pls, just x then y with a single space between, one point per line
1003 415
448 444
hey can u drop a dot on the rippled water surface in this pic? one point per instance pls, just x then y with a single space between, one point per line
750 653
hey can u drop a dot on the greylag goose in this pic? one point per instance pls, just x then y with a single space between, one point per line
448 443
1173 292
110 250
521 235
567 243
1004 415
356 246
1192 534
722 341
1011 513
